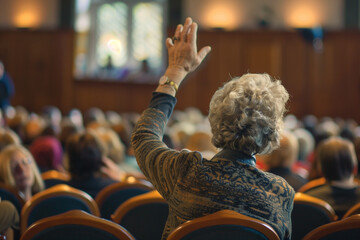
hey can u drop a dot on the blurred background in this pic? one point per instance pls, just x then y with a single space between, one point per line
110 54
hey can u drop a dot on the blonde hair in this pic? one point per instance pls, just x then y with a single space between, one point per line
286 154
8 137
246 114
5 169
115 149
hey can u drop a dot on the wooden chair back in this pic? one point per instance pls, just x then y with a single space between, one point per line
54 177
112 196
309 213
74 225
348 228
144 216
312 184
352 211
225 225
56 200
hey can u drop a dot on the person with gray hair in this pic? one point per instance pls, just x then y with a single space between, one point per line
246 119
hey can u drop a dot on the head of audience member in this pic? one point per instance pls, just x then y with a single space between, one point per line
67 129
8 137
309 122
48 153
306 143
85 152
53 116
94 115
17 121
9 219
347 133
123 131
50 130
286 154
337 160
325 129
18 169
75 116
291 122
201 141
33 128
246 114
115 150
113 117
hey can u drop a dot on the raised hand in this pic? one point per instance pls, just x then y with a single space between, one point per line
182 48
183 55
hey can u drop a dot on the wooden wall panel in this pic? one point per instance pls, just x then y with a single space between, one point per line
322 83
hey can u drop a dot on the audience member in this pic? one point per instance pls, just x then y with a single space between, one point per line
18 169
94 115
33 128
115 150
306 143
338 164
245 116
281 160
76 117
9 219
48 153
7 90
8 137
52 116
67 129
201 142
85 153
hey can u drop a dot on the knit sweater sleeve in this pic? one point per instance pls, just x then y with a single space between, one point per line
160 164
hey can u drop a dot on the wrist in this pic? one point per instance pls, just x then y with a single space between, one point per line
176 74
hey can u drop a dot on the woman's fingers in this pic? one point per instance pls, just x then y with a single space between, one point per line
185 30
203 53
191 37
177 34
169 43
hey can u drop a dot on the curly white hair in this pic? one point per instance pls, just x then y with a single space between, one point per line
246 114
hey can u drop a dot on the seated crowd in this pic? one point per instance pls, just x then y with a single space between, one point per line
99 153
242 173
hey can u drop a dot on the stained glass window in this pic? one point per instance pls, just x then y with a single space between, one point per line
115 38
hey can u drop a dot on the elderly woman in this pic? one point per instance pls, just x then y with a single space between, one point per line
18 169
245 117
338 164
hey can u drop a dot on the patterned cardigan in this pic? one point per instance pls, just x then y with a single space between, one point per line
194 186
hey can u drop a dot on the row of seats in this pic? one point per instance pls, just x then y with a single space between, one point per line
225 225
117 202
124 202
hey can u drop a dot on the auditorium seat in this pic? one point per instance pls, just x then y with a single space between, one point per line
110 198
224 225
144 216
309 213
75 225
348 228
55 200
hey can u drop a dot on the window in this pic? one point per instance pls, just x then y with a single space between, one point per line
119 40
